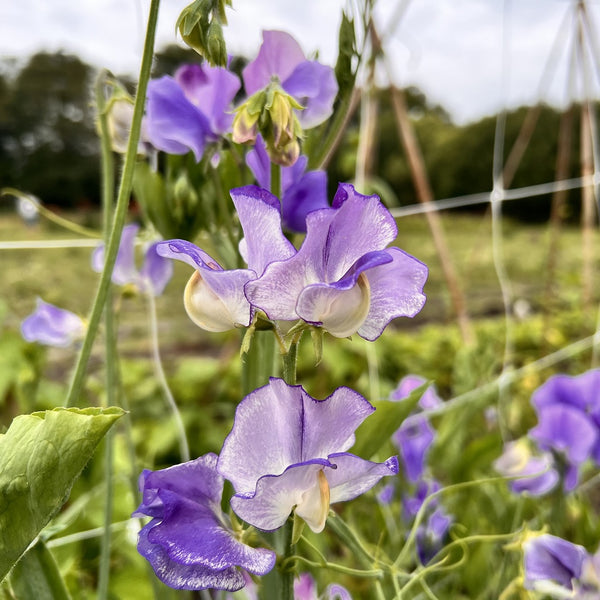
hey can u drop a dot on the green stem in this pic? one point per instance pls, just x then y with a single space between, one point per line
276 180
125 186
350 539
108 182
258 364
184 449
289 364
48 214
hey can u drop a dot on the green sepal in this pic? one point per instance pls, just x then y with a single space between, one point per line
41 456
376 430
297 528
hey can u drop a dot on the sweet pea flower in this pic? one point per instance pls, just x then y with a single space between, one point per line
289 452
301 191
151 278
550 560
415 436
537 472
568 409
188 542
343 278
214 297
187 111
312 84
52 326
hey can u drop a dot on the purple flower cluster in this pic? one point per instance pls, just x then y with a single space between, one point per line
567 435
286 452
343 278
556 567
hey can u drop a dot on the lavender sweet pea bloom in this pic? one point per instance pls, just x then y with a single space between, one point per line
287 451
568 409
548 558
188 542
301 191
415 436
343 278
305 588
309 82
185 112
52 326
214 297
151 278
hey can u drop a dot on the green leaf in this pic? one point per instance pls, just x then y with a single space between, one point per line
376 430
41 455
37 576
344 73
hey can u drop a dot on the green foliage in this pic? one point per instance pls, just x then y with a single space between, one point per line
41 455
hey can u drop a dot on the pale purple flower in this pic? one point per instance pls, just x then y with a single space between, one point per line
151 278
415 436
305 588
191 109
188 542
52 326
548 558
537 474
568 410
287 451
343 278
301 191
312 84
214 297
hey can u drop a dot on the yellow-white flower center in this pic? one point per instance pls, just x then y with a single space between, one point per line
204 307
314 504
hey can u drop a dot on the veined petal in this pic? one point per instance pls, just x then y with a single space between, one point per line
396 291
279 55
315 87
275 497
355 476
174 124
279 425
187 542
259 212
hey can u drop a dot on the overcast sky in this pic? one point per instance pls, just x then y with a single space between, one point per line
474 57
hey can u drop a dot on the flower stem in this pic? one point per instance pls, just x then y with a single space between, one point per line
120 210
276 180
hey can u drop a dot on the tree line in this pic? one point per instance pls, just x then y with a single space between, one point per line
49 145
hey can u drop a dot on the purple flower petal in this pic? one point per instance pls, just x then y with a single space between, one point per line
565 428
52 326
173 123
212 90
187 542
279 425
214 298
307 194
550 558
124 271
260 217
279 55
409 383
315 87
414 438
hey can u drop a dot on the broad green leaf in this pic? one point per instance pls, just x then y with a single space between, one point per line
37 576
376 430
41 455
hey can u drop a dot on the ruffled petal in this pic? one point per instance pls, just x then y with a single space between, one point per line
271 504
187 542
279 55
260 216
174 124
52 326
279 425
315 87
212 90
354 476
396 291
